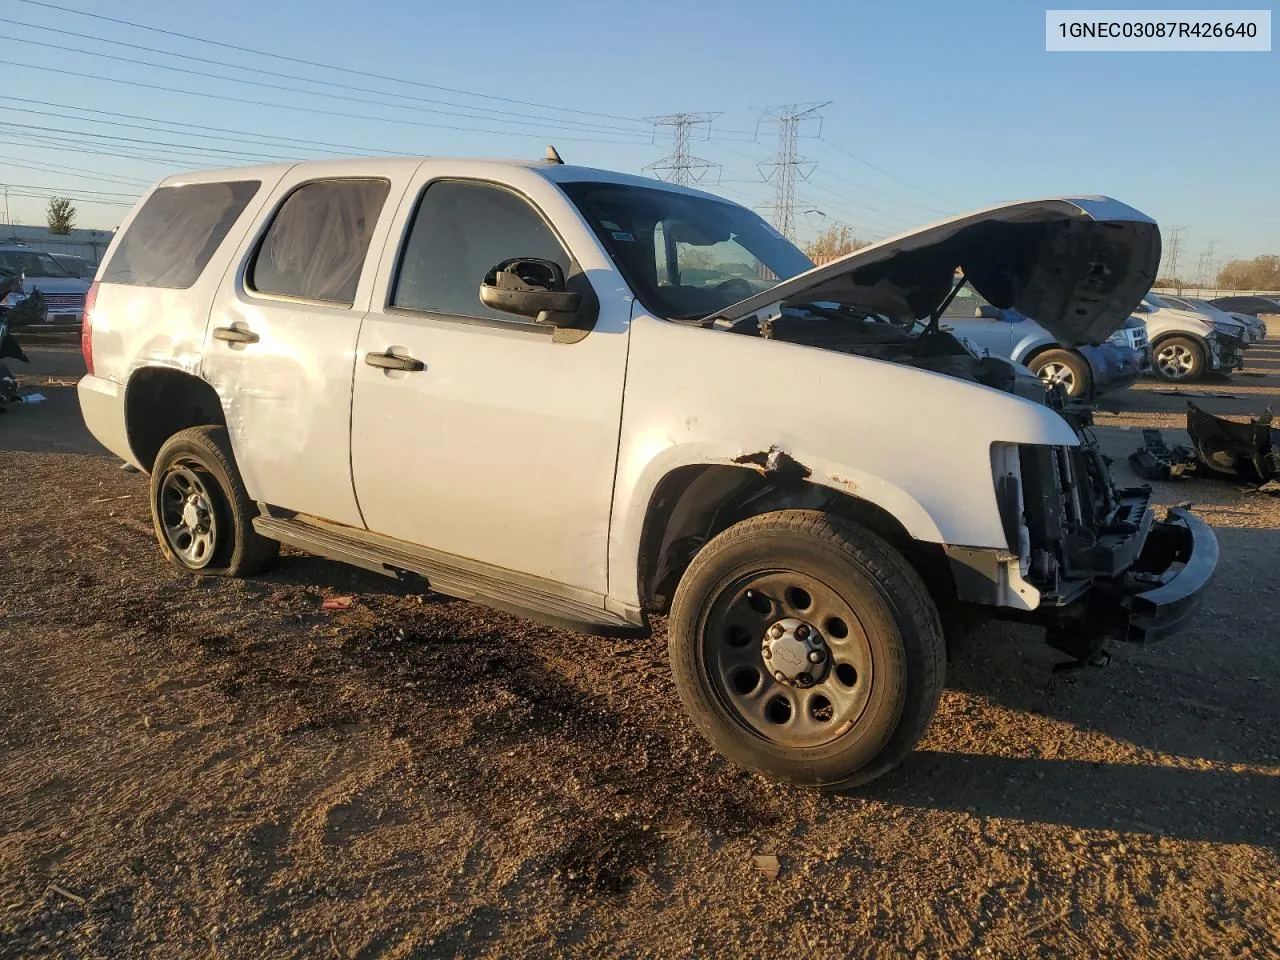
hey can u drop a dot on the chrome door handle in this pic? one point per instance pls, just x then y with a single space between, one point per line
389 361
235 335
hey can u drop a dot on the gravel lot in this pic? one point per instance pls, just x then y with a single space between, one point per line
192 767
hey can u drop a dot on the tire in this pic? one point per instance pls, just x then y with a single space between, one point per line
196 488
1178 359
1066 367
881 676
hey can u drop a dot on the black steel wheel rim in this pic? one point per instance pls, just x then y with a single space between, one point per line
187 514
753 624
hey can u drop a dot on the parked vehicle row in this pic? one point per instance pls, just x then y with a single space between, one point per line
576 396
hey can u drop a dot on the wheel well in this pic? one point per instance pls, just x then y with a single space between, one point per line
1036 351
693 504
159 402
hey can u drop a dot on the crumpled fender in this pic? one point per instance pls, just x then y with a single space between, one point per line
915 443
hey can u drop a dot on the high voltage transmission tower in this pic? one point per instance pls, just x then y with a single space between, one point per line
680 166
788 165
1172 251
1206 275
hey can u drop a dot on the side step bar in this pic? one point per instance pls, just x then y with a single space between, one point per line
453 576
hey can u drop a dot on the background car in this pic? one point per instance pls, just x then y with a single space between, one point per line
1249 328
1250 310
1084 371
1187 345
1255 306
63 293
76 266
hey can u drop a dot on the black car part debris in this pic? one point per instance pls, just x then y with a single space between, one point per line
1248 451
1156 461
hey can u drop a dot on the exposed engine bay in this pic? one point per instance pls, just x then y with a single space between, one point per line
848 329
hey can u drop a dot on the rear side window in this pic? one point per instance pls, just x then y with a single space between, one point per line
460 230
316 245
176 232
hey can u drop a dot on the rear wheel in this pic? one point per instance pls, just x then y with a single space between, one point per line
807 648
202 515
1178 358
1065 368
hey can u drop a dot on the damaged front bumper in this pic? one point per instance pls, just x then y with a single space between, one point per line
1162 590
1160 572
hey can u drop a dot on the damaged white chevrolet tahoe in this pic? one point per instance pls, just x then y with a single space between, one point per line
594 398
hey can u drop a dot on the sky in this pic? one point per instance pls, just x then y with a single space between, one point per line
930 108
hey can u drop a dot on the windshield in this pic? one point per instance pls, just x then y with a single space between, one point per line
32 263
685 257
1152 300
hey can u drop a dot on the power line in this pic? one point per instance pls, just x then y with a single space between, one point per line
537 123
296 107
880 194
323 66
680 166
128 152
63 190
264 137
185 147
78 171
788 165
867 163
86 200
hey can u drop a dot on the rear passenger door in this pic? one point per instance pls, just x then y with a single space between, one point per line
281 338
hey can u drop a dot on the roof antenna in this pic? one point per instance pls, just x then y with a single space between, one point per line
552 156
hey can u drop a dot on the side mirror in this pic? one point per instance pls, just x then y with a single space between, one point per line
988 312
1142 308
532 288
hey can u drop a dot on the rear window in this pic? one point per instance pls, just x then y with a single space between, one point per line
176 232
315 247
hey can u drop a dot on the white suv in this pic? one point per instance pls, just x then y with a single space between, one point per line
592 397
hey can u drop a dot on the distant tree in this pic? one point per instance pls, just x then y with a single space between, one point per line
1169 282
62 216
835 241
1260 273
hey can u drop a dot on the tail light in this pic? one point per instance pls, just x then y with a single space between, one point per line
86 327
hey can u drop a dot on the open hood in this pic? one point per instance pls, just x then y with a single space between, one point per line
1077 266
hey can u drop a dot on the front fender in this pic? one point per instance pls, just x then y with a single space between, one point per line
1032 343
914 443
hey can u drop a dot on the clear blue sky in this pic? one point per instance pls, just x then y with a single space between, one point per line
958 102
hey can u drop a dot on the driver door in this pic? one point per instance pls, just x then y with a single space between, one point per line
499 444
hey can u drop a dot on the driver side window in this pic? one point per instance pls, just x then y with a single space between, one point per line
459 231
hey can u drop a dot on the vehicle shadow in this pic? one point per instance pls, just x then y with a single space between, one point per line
302 570
1207 693
1213 806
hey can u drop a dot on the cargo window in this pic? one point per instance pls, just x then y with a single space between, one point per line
176 232
316 245
460 230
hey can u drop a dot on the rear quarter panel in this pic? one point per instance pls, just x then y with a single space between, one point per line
136 326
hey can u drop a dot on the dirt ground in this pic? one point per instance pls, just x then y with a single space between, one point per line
194 767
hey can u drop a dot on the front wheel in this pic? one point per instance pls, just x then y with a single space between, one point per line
1065 368
805 647
1177 359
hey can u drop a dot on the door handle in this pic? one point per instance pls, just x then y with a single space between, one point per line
235 335
389 361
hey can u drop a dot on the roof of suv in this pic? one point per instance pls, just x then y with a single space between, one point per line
555 172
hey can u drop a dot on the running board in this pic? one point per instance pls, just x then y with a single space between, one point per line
453 576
